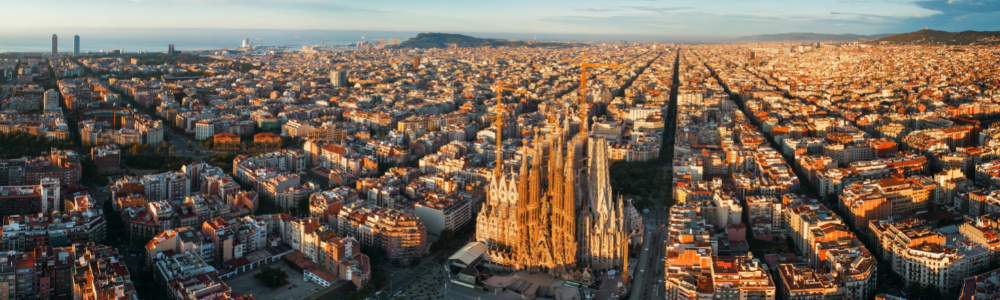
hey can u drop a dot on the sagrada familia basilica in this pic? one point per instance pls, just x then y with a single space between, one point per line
556 212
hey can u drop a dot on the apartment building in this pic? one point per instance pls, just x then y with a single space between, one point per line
440 212
327 204
25 232
927 257
224 238
172 186
399 234
31 199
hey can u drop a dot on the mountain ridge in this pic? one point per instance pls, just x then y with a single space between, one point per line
938 37
444 40
811 37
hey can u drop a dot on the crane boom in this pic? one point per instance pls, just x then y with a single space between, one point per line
499 88
624 243
583 85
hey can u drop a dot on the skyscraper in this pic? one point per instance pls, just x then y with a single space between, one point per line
170 49
55 44
76 45
246 42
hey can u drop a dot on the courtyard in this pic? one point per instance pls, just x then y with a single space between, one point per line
296 288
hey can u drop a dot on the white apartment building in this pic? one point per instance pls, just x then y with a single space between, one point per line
204 130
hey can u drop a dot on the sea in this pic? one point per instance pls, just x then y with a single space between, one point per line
95 40
158 40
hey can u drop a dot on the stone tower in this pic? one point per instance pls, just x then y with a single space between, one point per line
555 214
602 219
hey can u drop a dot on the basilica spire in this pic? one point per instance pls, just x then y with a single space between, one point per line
499 136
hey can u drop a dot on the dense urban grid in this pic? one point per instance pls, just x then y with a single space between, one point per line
606 170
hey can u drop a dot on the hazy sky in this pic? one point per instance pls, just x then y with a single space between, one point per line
722 18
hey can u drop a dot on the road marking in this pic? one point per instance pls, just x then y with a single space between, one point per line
450 292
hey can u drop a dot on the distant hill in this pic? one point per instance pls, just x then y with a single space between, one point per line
810 37
937 37
444 40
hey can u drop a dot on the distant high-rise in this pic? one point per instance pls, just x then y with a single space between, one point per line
416 62
51 99
76 45
338 79
55 43
170 49
246 42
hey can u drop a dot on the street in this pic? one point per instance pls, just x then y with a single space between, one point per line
650 267
402 277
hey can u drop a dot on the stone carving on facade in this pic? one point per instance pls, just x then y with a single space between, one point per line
556 214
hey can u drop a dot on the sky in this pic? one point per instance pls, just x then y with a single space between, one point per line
653 19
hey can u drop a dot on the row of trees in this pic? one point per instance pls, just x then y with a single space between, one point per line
640 178
161 58
242 146
18 144
223 160
272 277
145 156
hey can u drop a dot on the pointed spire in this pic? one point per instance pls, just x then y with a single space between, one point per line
598 180
499 127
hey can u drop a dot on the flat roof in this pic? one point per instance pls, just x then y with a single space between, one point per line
469 252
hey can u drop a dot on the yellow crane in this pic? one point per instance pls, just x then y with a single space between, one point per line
583 84
499 88
625 243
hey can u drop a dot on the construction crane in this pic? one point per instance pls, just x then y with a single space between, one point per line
583 84
628 239
499 88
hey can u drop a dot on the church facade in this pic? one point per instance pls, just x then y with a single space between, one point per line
555 213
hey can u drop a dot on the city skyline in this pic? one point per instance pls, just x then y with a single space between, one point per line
595 149
653 19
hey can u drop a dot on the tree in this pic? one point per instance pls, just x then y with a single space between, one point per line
271 277
931 291
140 242
414 262
436 246
447 235
304 206
914 288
